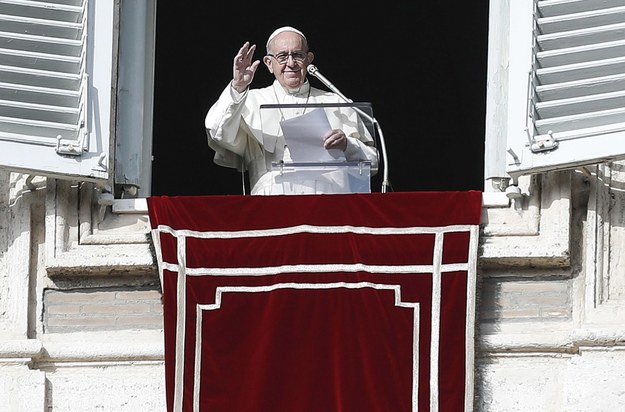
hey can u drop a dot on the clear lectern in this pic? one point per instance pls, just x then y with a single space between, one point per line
307 167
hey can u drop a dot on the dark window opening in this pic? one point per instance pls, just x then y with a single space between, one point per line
421 65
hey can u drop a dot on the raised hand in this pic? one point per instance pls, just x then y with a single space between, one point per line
243 67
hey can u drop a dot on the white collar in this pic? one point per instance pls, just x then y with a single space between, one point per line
303 90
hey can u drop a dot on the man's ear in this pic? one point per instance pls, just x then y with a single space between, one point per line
267 61
311 57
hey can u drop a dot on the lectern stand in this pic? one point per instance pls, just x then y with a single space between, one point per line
307 167
311 178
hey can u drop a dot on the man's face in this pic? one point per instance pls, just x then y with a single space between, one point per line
288 59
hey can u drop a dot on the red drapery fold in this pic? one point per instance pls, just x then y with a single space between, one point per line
359 302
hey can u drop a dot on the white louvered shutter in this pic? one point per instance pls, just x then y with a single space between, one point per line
576 88
49 91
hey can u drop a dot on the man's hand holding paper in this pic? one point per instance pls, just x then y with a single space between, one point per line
308 135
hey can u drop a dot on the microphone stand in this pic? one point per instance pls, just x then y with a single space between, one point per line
313 71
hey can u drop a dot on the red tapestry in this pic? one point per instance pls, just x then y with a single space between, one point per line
357 302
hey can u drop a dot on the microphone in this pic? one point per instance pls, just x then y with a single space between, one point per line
314 71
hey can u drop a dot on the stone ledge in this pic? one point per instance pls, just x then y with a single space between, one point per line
100 346
103 259
19 349
551 342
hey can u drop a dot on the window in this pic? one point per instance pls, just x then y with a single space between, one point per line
67 71
110 99
566 79
426 83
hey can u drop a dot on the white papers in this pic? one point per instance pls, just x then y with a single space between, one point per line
304 137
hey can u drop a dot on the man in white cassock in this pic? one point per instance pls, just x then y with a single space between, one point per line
235 124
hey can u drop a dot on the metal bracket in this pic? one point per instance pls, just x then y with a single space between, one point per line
74 147
71 148
544 143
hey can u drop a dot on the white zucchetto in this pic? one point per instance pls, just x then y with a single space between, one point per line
282 30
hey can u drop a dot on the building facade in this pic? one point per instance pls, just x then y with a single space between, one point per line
80 311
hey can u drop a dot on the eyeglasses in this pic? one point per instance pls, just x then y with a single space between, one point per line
283 57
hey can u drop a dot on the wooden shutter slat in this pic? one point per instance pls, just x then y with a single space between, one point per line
42 51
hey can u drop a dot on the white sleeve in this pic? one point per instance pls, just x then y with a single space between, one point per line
223 130
223 121
358 150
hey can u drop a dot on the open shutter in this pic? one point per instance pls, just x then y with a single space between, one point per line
52 88
576 102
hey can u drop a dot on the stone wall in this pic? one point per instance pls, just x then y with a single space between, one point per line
80 334
101 309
